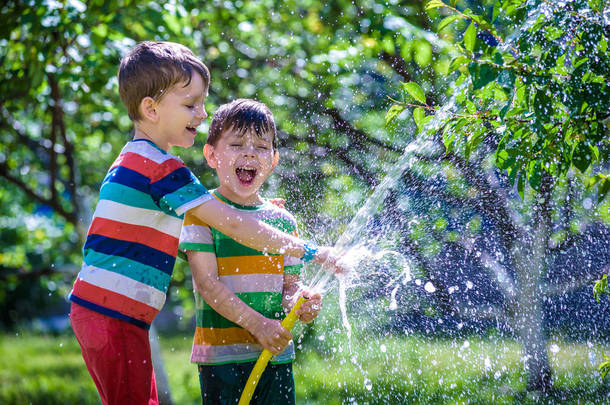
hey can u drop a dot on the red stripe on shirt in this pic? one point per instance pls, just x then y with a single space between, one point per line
147 167
135 233
117 302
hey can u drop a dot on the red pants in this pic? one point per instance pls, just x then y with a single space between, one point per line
117 355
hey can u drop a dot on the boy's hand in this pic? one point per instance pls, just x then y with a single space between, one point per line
272 335
280 202
310 308
330 259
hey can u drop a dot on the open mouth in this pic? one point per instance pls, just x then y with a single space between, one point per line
192 130
245 176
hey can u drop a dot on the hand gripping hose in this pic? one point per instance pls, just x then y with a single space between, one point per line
265 356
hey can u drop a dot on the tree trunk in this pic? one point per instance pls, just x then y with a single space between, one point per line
529 315
163 390
531 263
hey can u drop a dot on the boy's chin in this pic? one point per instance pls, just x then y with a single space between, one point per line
243 192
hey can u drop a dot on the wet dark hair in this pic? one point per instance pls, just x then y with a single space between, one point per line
152 68
242 115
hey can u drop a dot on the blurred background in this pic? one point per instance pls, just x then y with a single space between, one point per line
491 178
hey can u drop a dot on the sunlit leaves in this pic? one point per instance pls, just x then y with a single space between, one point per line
415 91
601 287
432 4
550 96
470 36
393 112
419 116
448 20
604 367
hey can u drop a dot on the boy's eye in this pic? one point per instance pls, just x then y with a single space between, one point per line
190 106
263 147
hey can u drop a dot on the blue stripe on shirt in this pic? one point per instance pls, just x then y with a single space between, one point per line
108 312
128 177
131 250
171 183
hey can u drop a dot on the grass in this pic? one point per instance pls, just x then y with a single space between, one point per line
414 370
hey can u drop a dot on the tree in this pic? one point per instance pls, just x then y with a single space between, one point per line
539 104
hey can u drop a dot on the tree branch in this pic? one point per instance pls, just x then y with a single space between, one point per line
490 201
398 64
341 153
55 205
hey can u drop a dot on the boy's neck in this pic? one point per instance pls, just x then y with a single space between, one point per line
249 201
143 132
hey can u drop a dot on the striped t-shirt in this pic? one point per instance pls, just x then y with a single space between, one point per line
132 242
254 277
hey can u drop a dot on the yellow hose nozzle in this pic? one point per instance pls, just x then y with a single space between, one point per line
265 356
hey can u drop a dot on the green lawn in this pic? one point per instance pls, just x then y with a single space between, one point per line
414 370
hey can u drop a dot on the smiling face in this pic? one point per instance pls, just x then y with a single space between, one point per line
179 112
243 162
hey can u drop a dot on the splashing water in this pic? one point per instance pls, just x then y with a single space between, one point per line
366 259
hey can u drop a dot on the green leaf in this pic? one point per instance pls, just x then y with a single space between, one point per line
469 37
582 156
415 91
432 4
448 136
448 20
467 150
602 189
458 62
481 74
496 10
543 105
601 287
604 368
535 175
393 112
521 185
418 116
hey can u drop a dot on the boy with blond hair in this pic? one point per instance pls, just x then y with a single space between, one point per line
132 241
242 293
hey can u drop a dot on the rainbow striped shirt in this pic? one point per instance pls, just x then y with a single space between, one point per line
132 242
256 278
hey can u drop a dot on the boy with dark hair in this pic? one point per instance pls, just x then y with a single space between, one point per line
132 241
241 293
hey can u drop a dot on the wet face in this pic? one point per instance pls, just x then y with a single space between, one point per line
180 111
243 162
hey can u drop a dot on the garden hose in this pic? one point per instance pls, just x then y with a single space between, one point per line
265 356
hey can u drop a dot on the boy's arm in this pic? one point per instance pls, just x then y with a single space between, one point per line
268 332
249 231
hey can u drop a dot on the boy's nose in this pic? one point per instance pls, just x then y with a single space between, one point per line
200 112
248 150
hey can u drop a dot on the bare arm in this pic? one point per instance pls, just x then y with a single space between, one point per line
247 230
268 332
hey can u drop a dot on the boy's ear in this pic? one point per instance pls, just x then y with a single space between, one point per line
148 109
276 158
208 152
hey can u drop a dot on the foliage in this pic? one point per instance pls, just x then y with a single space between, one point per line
527 108
601 287
324 71
541 97
49 370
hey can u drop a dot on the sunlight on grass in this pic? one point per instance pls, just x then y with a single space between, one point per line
414 370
